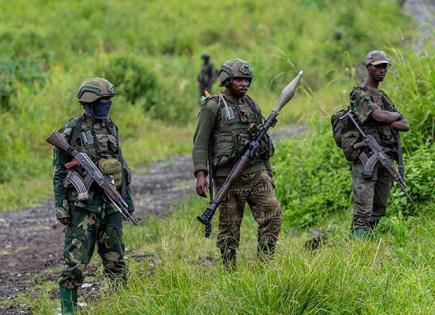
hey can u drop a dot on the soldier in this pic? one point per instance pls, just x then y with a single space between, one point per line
96 222
206 76
378 117
224 123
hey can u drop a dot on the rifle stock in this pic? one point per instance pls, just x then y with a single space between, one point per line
286 95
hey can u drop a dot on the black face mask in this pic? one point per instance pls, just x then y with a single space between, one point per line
99 109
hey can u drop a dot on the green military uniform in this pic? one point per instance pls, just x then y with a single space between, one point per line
95 222
223 124
371 194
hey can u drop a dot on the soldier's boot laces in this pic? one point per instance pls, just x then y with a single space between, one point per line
68 301
360 233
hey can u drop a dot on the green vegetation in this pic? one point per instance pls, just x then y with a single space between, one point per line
174 270
148 48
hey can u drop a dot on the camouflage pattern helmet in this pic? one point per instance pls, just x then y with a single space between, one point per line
235 68
93 89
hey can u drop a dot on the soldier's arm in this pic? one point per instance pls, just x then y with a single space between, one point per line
385 116
201 138
59 174
401 124
362 105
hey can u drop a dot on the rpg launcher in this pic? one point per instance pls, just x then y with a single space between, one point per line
248 154
93 175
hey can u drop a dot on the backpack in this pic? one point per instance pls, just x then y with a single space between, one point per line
345 134
338 126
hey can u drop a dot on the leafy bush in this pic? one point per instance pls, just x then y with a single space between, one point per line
135 80
312 179
14 73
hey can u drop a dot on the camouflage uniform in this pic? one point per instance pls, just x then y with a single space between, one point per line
371 194
227 135
96 220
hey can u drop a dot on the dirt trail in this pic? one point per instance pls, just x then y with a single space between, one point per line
32 240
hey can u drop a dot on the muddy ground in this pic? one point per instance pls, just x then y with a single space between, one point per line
32 240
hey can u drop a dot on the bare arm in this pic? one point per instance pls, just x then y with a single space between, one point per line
401 124
385 116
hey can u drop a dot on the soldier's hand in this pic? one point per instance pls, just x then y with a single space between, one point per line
201 184
65 221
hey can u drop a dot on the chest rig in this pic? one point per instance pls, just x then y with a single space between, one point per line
233 130
101 143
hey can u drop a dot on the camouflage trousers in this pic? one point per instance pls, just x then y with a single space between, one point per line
86 230
370 196
257 190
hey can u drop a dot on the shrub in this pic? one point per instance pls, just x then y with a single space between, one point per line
16 72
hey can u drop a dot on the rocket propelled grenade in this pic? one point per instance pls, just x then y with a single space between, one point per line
250 152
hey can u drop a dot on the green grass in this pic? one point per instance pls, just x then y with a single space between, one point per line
391 274
151 52
49 48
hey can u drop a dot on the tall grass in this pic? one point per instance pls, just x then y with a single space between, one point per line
174 270
150 50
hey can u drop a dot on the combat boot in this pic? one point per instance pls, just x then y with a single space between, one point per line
68 300
229 259
360 233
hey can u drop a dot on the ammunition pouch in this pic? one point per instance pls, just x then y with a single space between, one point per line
111 168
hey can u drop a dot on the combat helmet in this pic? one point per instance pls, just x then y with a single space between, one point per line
93 89
235 68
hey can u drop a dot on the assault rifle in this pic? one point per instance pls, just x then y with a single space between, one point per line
93 175
248 154
377 156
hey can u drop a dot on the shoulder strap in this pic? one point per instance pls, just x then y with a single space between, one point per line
254 107
75 131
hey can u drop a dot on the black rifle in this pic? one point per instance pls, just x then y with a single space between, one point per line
248 154
93 175
377 156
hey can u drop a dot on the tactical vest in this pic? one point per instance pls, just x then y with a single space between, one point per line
98 142
101 143
384 134
231 132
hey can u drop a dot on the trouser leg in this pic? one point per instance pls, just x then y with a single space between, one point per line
230 219
111 248
266 210
363 193
80 238
381 196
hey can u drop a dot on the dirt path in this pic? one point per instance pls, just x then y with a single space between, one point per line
31 239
